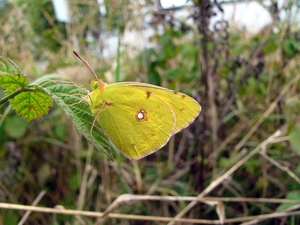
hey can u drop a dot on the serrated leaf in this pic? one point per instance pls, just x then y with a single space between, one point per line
9 67
11 76
70 97
12 82
32 103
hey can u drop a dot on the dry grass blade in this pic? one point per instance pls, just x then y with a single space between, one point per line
83 185
128 198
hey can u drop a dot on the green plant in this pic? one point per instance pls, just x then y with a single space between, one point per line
32 100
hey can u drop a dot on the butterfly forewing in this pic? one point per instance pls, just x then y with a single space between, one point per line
185 108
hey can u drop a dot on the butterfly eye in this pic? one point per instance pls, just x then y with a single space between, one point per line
95 85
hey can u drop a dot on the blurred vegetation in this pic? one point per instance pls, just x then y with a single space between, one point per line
248 86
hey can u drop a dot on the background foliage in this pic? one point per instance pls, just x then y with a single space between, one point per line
248 86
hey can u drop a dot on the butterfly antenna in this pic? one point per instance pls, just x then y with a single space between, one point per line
87 64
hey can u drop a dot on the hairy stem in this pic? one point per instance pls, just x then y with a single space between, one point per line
15 93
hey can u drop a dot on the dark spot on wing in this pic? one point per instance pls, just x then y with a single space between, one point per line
141 115
107 103
182 95
148 93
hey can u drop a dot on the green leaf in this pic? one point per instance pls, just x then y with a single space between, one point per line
15 126
12 82
290 47
11 76
232 114
153 76
271 45
7 66
32 103
175 73
60 131
10 217
293 195
70 97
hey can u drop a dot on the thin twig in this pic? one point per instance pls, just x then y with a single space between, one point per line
34 203
283 168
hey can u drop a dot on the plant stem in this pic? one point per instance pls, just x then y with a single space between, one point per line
15 93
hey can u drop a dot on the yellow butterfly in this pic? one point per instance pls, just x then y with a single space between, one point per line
139 118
